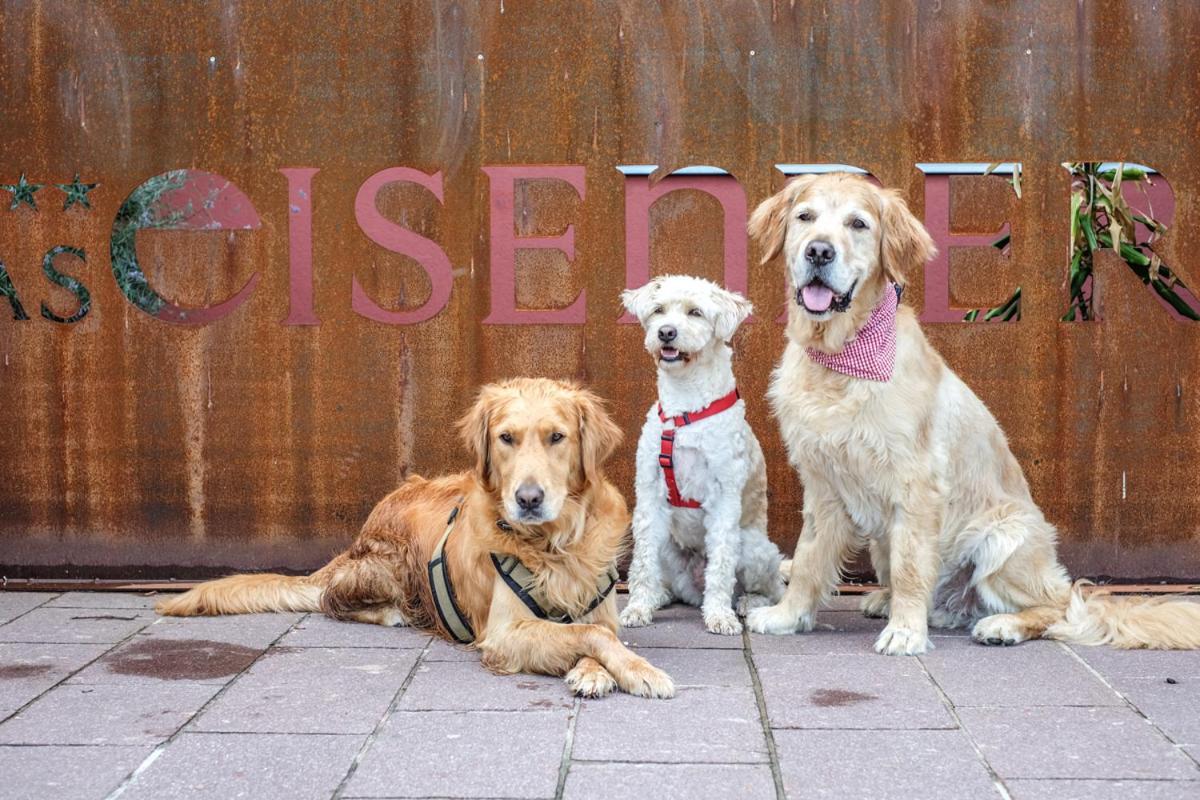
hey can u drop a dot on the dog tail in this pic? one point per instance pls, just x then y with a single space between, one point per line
245 594
1153 623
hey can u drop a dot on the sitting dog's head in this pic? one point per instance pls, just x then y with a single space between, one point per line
842 238
538 444
685 317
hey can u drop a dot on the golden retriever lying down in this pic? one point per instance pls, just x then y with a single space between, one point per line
537 496
895 452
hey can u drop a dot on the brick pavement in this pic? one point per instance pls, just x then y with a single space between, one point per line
101 699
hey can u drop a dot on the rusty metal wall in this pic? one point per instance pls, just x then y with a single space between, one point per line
136 447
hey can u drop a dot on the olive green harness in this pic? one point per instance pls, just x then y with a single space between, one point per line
516 576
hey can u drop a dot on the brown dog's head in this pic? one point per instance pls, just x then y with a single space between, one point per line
537 444
842 238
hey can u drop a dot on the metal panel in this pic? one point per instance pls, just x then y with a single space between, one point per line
136 446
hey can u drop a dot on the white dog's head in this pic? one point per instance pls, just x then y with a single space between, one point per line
685 317
841 237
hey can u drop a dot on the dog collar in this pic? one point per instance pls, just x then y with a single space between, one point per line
871 353
666 455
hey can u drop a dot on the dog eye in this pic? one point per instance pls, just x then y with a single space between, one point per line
556 437
858 224
506 438
657 310
695 312
805 216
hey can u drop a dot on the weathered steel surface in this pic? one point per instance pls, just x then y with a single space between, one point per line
131 446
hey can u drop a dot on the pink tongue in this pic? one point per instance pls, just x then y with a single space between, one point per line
817 297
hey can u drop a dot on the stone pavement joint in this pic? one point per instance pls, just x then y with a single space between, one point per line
101 703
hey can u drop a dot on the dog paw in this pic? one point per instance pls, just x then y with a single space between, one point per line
748 602
778 620
999 629
877 604
645 680
636 616
593 681
900 641
723 622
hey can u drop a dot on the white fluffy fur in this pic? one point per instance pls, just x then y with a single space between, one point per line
915 468
699 555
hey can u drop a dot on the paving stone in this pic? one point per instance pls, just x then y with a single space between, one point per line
850 691
928 764
473 754
1173 708
27 670
1116 664
587 781
311 690
65 772
703 668
678 626
105 600
75 625
126 714
318 630
14 604
463 686
703 725
248 630
249 765
441 650
1074 743
1040 673
1102 790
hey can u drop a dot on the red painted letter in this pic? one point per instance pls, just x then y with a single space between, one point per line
937 221
300 267
391 236
505 243
640 196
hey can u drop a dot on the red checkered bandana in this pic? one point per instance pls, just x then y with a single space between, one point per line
871 353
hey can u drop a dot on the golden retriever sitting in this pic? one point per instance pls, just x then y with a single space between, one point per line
895 451
518 555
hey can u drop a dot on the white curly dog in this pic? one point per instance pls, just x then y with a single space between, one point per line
700 526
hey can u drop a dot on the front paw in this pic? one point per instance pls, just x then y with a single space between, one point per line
877 604
748 602
777 620
594 681
896 640
645 680
636 616
723 622
1001 629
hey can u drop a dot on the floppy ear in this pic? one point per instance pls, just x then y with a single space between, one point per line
476 434
598 434
904 244
768 223
732 310
639 301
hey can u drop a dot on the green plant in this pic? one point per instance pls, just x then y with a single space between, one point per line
1102 218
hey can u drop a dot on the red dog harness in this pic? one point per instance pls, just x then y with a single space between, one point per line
666 457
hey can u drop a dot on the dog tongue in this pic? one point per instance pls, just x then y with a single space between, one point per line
817 297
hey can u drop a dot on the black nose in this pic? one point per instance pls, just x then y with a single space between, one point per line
819 253
529 497
667 333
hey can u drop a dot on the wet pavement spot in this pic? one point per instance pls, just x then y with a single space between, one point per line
180 659
10 672
836 698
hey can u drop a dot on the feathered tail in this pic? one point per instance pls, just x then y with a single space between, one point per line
1153 623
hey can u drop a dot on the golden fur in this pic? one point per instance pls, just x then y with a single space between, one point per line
915 468
512 431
